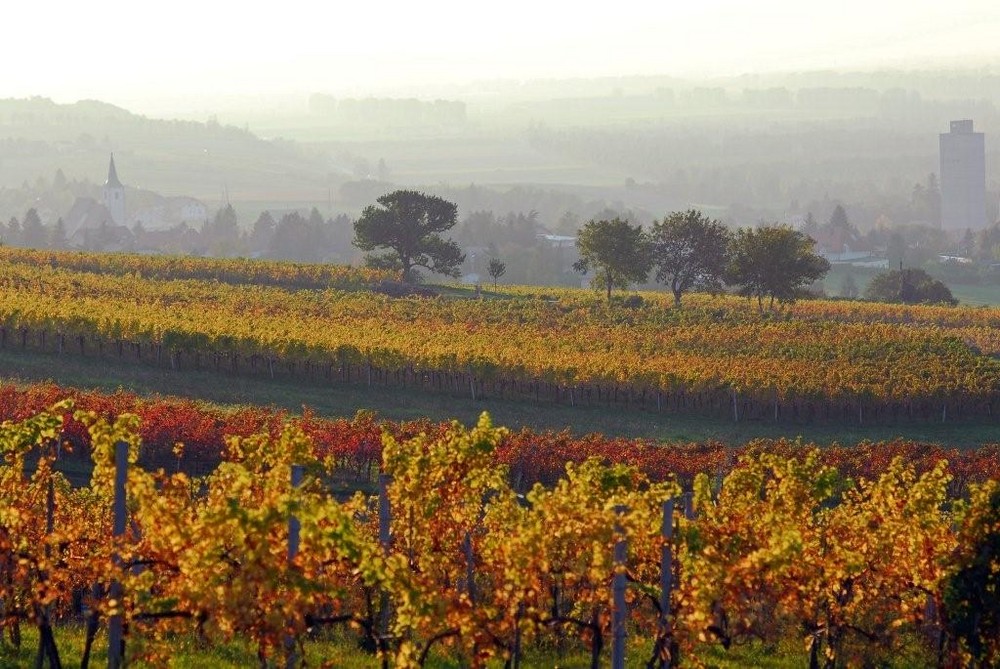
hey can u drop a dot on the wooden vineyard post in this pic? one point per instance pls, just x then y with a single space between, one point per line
384 511
50 508
294 533
384 539
294 525
46 642
116 638
470 581
931 627
619 610
516 653
666 584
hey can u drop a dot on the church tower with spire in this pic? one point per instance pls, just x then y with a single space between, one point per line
114 195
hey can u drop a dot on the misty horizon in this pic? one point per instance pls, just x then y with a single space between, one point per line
152 62
529 118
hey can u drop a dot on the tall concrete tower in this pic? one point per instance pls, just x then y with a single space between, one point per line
114 195
963 178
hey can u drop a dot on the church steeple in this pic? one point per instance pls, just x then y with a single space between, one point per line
114 195
112 181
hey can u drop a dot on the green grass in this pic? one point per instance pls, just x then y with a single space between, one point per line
335 399
338 648
966 294
982 295
185 652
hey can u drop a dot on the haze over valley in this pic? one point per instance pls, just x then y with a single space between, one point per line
531 132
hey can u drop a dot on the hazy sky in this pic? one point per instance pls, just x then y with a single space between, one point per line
126 51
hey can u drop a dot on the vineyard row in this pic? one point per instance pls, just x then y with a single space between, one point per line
783 370
450 559
701 399
354 446
236 271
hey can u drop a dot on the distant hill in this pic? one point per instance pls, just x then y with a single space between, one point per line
202 160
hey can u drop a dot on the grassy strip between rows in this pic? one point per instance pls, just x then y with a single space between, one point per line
339 649
343 400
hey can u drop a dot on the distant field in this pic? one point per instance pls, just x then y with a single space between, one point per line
717 355
976 295
496 160
716 358
966 294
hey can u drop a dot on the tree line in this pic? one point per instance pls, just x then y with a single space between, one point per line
291 236
684 251
687 250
